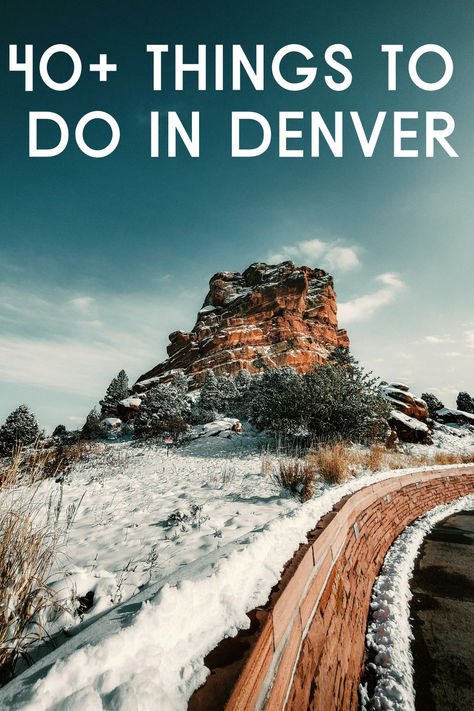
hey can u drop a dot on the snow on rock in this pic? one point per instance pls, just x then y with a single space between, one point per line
457 416
389 633
225 426
131 402
111 422
409 429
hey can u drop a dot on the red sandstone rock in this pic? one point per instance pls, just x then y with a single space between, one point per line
280 314
409 414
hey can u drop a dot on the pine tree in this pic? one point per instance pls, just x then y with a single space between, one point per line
180 382
465 402
210 396
20 429
92 428
117 390
434 404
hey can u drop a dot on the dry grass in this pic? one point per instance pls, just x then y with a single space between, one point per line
43 462
28 548
296 475
331 462
26 601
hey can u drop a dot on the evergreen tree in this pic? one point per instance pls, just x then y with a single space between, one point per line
92 428
434 404
227 394
210 396
164 410
465 402
20 429
180 382
117 390
275 402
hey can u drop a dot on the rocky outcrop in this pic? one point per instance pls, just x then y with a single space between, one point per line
457 417
409 414
276 315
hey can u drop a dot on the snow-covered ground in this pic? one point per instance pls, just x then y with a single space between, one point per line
176 547
389 632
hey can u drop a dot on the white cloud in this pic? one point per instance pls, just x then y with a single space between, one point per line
363 307
82 304
331 255
469 338
438 339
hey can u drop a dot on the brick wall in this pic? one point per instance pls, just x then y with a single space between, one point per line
305 649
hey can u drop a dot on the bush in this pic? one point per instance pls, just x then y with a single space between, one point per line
59 431
164 410
343 402
20 430
275 400
335 401
92 428
465 402
434 404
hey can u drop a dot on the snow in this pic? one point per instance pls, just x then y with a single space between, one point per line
131 402
111 421
389 633
177 547
410 422
446 412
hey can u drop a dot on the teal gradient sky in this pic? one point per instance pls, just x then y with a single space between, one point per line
101 259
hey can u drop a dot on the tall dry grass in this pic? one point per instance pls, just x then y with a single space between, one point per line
29 539
335 462
41 461
26 601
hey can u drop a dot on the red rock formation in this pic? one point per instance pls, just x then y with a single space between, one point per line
279 314
409 414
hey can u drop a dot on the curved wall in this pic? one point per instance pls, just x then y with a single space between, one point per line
305 649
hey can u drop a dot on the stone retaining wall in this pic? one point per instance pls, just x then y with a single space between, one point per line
305 649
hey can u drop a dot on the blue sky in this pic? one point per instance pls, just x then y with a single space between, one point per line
101 259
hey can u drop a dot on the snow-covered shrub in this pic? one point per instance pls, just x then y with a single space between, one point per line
465 402
20 430
276 400
343 402
59 431
433 403
117 390
335 401
92 428
164 410
218 396
180 382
